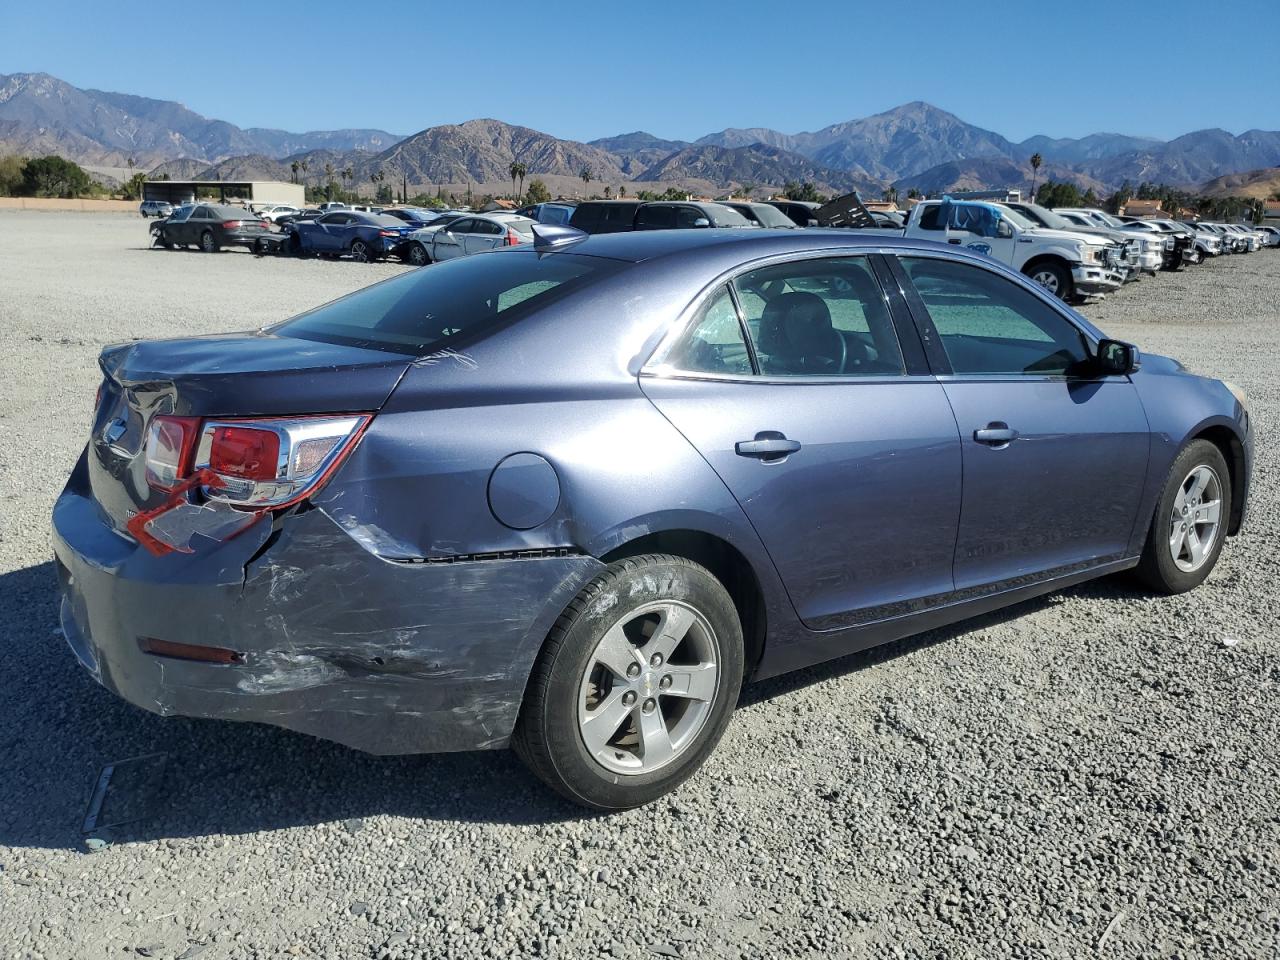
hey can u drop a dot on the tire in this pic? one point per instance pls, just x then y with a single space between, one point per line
632 601
208 243
1053 277
360 252
417 255
1159 568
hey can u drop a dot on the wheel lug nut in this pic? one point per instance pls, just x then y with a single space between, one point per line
656 660
650 705
629 698
633 670
665 682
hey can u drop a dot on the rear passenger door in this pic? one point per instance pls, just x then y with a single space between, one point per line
448 241
484 235
839 446
1055 455
655 216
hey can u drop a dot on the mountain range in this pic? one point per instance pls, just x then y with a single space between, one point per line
916 145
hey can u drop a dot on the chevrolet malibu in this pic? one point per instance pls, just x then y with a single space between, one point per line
569 496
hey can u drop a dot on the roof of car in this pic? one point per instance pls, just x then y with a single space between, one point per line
739 245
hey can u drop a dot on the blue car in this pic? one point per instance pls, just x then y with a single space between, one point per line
365 237
569 496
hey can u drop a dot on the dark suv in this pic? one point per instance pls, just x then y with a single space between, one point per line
616 216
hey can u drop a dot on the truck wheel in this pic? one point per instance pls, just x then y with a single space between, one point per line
1052 277
635 685
1190 524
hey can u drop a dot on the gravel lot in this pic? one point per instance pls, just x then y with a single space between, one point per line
1091 774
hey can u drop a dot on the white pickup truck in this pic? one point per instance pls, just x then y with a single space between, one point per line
1067 264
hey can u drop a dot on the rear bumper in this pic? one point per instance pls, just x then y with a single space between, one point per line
381 656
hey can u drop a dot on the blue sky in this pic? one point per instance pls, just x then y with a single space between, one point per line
589 69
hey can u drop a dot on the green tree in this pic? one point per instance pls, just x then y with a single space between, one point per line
747 189
1117 200
328 176
384 194
913 194
1036 161
538 192
517 171
11 175
1053 194
891 194
54 177
801 191
294 167
132 188
585 174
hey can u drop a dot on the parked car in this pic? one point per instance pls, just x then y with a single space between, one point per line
1272 235
479 232
417 248
761 214
1140 253
155 208
1208 242
365 237
414 216
551 212
1175 243
333 205
210 227
467 507
308 214
801 212
276 212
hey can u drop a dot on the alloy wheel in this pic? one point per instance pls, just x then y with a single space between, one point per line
648 688
1195 519
359 251
1047 279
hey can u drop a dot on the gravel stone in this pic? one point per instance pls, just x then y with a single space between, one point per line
1095 773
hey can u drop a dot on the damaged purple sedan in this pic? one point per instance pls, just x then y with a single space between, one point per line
570 496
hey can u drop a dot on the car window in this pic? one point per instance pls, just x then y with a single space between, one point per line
202 213
487 227
179 215
422 311
464 225
929 217
689 216
714 342
989 324
656 217
821 317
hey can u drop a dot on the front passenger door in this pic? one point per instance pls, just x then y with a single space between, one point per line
1055 455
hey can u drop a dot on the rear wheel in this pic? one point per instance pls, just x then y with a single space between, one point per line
635 684
208 243
360 252
1053 277
417 255
1190 524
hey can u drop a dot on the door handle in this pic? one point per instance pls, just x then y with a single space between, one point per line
997 434
769 445
955 240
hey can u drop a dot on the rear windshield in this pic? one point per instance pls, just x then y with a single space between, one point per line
770 216
723 216
424 310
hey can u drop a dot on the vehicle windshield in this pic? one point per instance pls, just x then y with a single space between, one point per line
1106 218
424 311
1017 219
1053 221
723 216
770 216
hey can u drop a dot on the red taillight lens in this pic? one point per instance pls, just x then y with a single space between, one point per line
171 443
231 224
512 238
246 453
388 233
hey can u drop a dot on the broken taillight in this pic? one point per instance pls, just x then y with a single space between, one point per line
257 463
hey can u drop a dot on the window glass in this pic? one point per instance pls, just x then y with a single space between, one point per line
461 226
487 226
424 310
714 342
202 213
655 217
929 217
989 324
689 216
823 317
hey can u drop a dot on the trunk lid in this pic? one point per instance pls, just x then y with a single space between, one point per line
232 375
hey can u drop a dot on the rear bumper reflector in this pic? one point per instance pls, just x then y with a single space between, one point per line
189 651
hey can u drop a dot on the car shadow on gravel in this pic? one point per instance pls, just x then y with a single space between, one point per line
58 729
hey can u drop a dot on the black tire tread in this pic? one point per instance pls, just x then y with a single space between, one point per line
1148 570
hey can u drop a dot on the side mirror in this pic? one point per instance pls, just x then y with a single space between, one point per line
1117 357
702 222
1004 230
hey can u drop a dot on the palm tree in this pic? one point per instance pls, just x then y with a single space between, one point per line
517 171
891 194
294 167
347 175
586 177
328 176
1036 160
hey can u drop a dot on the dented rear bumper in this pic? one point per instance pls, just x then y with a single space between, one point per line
382 656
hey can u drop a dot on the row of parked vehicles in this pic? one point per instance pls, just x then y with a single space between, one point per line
1073 252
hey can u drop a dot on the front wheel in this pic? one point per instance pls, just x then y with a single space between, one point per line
635 684
1190 524
1053 277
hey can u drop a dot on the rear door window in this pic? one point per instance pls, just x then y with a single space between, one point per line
657 216
714 342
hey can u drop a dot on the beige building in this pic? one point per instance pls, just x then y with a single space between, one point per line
225 191
1143 208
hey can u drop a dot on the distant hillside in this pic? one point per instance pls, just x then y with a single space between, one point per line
42 114
1096 146
1256 184
986 174
758 164
638 151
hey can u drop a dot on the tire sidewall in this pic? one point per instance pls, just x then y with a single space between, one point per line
209 245
657 580
1158 564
